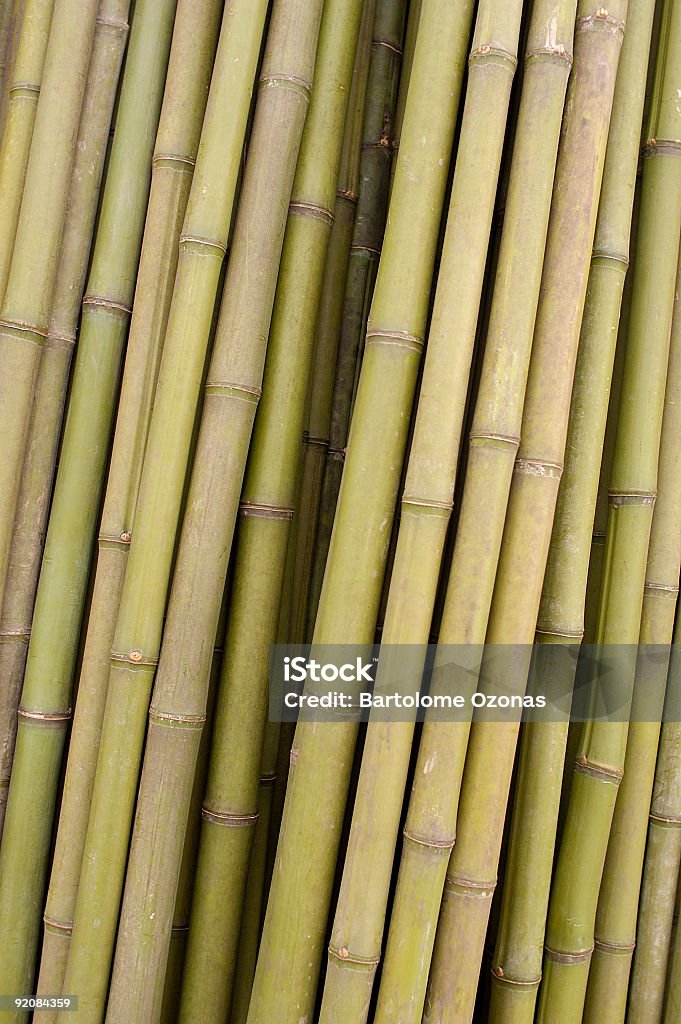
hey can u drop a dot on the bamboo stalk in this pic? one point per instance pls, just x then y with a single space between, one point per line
410 37
426 504
531 505
25 308
572 909
44 710
193 46
672 1000
291 946
6 12
143 594
14 30
518 956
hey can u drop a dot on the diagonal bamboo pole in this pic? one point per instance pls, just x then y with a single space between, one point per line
518 956
425 509
193 46
291 946
143 595
574 896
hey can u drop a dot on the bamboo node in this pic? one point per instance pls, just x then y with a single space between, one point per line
9 634
298 84
388 45
102 302
60 339
229 820
302 208
240 391
258 511
476 437
268 778
500 975
575 636
472 889
440 508
399 338
168 159
187 241
24 87
45 716
666 819
353 958
135 655
168 716
559 957
112 23
559 51
601 16
24 328
431 844
365 248
485 50
315 442
126 536
62 926
616 948
662 588
348 194
598 771
662 147
536 467
617 498
614 257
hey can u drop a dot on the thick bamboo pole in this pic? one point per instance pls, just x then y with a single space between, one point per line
23 94
25 308
426 504
518 955
365 250
44 431
527 531
44 712
572 910
192 50
291 947
143 594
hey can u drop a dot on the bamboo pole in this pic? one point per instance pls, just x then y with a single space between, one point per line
6 12
44 431
44 710
425 509
518 955
25 308
193 47
572 909
291 947
531 505
672 1000
143 594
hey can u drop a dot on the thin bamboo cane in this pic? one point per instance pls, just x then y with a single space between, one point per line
38 477
6 12
193 47
572 910
24 91
293 934
25 308
518 956
143 594
672 999
357 933
531 505
410 37
14 31
44 710
431 817
375 163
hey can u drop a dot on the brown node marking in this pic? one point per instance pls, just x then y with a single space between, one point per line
302 208
168 716
160 159
101 302
560 957
59 339
537 467
244 392
23 327
209 243
134 657
20 633
24 87
431 844
618 948
472 888
565 634
365 248
558 51
500 975
444 508
256 510
229 820
45 716
617 498
388 45
666 819
348 194
399 338
353 958
598 771
315 442
61 926
113 23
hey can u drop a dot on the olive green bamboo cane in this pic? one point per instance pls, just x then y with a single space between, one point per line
143 593
44 430
291 947
672 998
410 37
431 818
425 508
44 711
6 12
192 50
25 308
572 910
267 501
24 91
14 30
517 590
660 873
518 956
375 163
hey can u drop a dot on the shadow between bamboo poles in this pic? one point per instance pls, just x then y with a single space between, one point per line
46 418
518 957
26 305
572 910
426 504
193 47
143 595
351 592
533 493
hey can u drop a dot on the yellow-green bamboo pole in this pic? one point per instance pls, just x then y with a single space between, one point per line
13 32
139 624
291 947
518 956
473 865
25 308
192 51
672 996
6 12
425 508
574 896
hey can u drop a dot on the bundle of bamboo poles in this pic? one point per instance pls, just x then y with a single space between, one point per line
340 329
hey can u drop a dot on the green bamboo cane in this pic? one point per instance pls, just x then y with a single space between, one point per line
572 910
44 711
410 37
6 12
143 593
193 47
660 875
291 947
431 817
24 91
13 32
518 956
531 505
25 308
36 485
615 930
362 265
426 504
672 996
